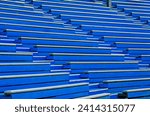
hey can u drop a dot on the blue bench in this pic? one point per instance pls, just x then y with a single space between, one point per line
115 28
135 93
125 45
97 96
27 17
15 57
126 83
38 4
5 5
122 6
101 75
145 58
144 18
24 67
132 1
61 37
13 2
70 96
80 17
139 11
117 33
10 47
27 41
67 12
113 39
129 10
142 4
102 23
35 28
138 51
49 91
20 11
137 14
30 22
66 57
85 17
79 67
48 8
15 32
115 86
13 82
82 2
71 49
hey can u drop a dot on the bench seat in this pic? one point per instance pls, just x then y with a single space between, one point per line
49 91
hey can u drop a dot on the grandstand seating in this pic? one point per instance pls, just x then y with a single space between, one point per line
76 49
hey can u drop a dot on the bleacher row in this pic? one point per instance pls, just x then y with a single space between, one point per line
79 49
